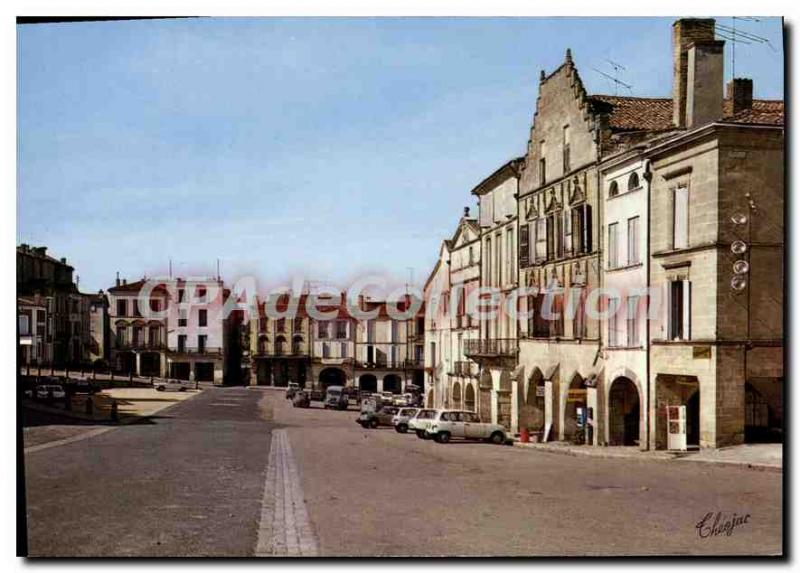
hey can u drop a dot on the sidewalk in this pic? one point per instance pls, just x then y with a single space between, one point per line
764 457
132 404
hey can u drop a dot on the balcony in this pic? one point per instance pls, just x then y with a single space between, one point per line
138 345
277 353
464 368
381 364
414 363
197 350
493 347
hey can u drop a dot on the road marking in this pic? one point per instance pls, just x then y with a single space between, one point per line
285 529
64 441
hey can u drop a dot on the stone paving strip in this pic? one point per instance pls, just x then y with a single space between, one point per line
285 529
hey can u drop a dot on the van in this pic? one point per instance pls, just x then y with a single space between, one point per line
335 398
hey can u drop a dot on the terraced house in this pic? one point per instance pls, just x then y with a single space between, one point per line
648 247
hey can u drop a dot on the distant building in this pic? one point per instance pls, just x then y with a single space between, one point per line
35 343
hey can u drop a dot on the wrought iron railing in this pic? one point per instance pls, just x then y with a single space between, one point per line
491 347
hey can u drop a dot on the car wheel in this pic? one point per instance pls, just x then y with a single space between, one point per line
497 438
373 423
160 388
442 437
402 428
421 434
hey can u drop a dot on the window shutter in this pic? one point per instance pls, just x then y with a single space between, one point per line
666 312
568 232
680 227
687 310
559 221
524 247
587 228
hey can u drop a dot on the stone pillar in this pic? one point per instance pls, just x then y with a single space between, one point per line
548 410
138 370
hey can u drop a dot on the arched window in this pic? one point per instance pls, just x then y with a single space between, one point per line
280 346
633 181
262 344
297 345
613 189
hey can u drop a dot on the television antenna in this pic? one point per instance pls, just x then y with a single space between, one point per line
615 78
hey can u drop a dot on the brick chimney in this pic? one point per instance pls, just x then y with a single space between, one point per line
684 32
740 93
704 82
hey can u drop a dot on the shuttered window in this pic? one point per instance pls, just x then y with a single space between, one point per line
613 246
524 247
680 226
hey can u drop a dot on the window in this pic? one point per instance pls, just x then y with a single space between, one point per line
633 321
280 325
122 307
343 350
613 189
471 256
155 336
122 336
542 171
341 329
567 233
538 326
633 241
524 246
509 256
557 310
155 305
24 327
136 307
679 310
498 263
420 325
180 295
613 323
182 317
551 246
565 147
322 329
579 317
488 257
613 246
201 293
201 342
395 331
326 350
433 353
542 164
633 181
181 343
202 317
540 251
680 221
137 336
582 228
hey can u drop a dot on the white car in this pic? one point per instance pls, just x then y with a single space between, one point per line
401 419
449 424
47 391
420 422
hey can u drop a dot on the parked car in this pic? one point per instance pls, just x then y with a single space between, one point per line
172 386
292 389
50 392
400 420
81 387
403 400
383 416
420 422
301 399
336 398
448 424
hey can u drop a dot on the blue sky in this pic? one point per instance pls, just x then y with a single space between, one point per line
329 148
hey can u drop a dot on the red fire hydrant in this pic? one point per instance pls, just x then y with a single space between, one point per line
524 435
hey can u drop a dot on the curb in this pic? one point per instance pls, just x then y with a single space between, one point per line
664 458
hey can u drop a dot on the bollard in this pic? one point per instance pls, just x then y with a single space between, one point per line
89 406
114 414
524 435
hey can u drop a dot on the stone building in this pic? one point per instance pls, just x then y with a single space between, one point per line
35 345
185 335
99 328
438 329
495 350
40 274
464 266
281 347
375 355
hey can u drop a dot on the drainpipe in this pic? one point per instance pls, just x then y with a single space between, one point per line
648 176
